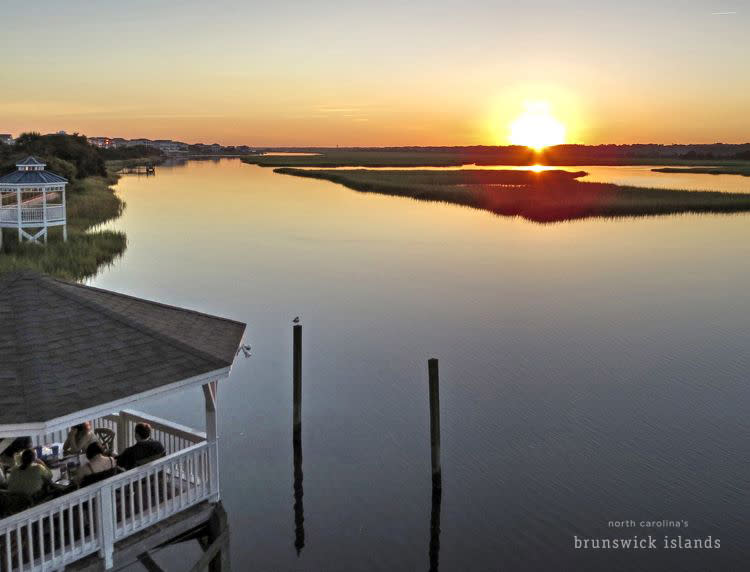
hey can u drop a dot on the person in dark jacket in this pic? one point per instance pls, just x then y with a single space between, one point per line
145 448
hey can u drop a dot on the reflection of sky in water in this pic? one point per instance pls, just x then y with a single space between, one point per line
590 370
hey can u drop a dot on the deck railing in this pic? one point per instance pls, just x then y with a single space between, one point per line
32 214
53 534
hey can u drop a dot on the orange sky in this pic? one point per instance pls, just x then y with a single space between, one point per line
325 73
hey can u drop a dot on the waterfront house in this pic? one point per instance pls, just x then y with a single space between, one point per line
32 200
70 354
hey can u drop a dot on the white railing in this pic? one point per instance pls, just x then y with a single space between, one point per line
53 534
63 530
173 436
32 214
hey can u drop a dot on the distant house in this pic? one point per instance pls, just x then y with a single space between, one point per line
102 142
6 138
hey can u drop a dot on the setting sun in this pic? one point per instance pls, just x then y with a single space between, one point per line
536 127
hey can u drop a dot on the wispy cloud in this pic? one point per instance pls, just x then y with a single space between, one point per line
722 13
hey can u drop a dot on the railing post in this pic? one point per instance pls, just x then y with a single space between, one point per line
122 436
106 526
212 437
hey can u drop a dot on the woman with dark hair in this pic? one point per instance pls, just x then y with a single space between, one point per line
30 477
79 438
98 462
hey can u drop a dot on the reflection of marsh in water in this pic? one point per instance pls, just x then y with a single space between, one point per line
588 370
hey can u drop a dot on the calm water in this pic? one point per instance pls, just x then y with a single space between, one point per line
590 371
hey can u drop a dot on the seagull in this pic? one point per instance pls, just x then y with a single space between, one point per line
296 320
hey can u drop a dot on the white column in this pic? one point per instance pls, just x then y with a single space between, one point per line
65 216
212 436
106 526
18 210
44 212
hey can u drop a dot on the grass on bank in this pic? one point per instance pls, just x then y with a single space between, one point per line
741 169
89 202
548 196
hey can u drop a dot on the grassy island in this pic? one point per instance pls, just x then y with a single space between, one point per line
547 196
743 170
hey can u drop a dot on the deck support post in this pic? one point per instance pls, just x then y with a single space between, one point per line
106 526
212 436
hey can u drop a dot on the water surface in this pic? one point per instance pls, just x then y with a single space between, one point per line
591 371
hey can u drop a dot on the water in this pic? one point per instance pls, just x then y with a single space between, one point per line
590 371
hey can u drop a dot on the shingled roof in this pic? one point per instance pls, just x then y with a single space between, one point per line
67 348
32 178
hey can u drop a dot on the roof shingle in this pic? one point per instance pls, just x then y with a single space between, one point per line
66 348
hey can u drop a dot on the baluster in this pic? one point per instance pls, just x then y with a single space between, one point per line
19 546
41 540
92 534
132 504
80 524
29 537
148 495
8 555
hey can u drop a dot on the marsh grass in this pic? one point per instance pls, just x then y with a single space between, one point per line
548 196
90 202
743 170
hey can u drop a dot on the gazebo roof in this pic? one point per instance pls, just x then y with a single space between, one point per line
32 178
30 161
70 352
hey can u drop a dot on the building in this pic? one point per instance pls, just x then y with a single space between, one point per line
102 142
71 353
32 200
6 138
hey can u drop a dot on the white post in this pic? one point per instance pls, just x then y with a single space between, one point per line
212 436
106 526
65 216
122 435
44 212
18 209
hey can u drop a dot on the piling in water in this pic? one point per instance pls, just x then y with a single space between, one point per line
437 473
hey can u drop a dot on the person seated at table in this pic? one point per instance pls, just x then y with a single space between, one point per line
12 447
98 462
30 477
145 448
79 438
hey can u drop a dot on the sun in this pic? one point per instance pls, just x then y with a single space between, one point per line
536 127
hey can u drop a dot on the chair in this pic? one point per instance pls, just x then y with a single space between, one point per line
150 459
100 476
106 438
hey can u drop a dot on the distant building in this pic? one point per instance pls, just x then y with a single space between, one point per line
6 138
103 142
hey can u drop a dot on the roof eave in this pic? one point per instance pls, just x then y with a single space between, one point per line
40 428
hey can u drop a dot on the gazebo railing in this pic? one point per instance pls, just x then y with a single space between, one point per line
32 214
55 533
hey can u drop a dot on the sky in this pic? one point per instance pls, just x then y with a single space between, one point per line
353 73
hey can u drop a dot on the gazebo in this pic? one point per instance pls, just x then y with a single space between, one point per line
32 200
71 353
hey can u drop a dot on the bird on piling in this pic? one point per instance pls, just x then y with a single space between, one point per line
296 320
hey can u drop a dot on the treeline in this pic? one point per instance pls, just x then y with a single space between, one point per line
134 152
68 155
71 156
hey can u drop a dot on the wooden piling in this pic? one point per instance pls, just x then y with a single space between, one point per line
437 473
297 382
